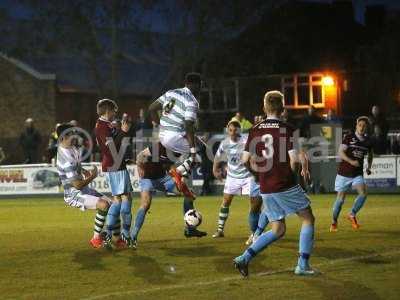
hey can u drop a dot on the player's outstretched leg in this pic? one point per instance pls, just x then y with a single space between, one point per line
112 219
262 221
278 230
337 207
254 215
191 231
117 235
306 242
358 204
102 210
182 171
262 224
145 203
223 215
180 181
126 217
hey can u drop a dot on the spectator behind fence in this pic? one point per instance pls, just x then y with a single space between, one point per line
30 142
142 123
310 118
378 119
206 168
53 144
285 116
396 144
332 118
379 141
2 156
245 124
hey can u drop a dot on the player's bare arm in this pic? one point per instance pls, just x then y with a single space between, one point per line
216 167
80 184
154 108
344 157
294 160
189 128
304 162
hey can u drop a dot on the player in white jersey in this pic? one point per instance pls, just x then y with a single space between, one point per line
179 109
75 181
238 179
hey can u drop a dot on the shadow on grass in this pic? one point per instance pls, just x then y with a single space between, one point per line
195 251
341 289
394 234
151 271
91 259
338 253
374 261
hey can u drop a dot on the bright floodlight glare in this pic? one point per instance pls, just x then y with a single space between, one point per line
327 81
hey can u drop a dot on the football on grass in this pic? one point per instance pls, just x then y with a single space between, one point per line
193 218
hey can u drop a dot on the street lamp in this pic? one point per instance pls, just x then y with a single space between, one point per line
327 81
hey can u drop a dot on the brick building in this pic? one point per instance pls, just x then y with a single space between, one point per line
58 89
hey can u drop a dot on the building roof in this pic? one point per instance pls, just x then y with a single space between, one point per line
142 68
74 74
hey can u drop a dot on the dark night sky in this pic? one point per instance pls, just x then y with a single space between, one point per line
19 11
360 5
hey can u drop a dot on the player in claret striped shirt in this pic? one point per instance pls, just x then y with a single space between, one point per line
112 140
350 172
179 109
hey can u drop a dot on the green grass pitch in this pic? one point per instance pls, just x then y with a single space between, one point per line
44 254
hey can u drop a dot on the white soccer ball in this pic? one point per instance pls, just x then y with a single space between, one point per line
193 218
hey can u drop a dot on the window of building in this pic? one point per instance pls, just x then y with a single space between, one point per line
220 97
303 90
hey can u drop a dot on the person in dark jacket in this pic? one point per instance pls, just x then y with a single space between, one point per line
310 118
30 140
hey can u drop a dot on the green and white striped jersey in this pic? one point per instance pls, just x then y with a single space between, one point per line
233 152
69 168
179 105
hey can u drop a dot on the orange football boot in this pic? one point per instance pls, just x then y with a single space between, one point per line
353 221
96 242
180 184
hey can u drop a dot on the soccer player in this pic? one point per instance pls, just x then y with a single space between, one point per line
113 143
350 172
154 177
179 109
76 179
238 180
271 144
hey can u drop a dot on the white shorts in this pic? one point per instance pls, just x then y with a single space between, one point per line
174 141
235 186
86 198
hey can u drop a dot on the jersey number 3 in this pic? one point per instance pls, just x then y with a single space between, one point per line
268 141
